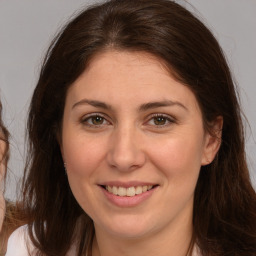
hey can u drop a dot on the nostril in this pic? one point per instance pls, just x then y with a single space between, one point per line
124 155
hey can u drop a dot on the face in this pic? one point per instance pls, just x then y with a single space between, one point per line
2 173
133 142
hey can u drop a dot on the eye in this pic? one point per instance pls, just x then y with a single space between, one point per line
95 120
160 120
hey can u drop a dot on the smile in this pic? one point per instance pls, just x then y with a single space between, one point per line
130 191
128 194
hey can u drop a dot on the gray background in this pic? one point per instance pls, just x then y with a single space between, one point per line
27 27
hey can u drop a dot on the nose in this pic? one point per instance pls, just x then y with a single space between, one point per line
126 150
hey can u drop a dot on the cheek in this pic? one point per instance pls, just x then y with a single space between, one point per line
2 209
81 163
2 201
83 158
180 156
179 162
81 155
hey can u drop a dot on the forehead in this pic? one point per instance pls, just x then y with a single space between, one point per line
129 77
110 59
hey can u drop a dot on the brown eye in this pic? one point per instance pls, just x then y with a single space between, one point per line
160 120
97 120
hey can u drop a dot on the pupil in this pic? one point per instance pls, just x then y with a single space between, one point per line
97 120
159 120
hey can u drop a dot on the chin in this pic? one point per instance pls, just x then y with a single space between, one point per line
131 233
128 228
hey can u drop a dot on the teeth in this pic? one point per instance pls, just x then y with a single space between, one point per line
109 189
114 190
121 191
138 190
144 188
131 191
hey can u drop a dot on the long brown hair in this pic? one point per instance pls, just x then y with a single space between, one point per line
225 203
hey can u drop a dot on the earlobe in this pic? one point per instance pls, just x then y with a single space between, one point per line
212 141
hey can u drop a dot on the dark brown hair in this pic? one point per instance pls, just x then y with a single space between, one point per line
225 203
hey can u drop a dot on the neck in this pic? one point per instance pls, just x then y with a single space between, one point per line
173 240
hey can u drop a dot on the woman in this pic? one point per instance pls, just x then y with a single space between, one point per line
136 141
11 214
3 161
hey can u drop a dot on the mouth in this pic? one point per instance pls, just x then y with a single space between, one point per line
128 192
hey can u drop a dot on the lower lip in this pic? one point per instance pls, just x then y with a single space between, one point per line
128 201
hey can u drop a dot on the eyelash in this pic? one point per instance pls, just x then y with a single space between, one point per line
167 119
87 120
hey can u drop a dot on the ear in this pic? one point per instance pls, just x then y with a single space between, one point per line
212 141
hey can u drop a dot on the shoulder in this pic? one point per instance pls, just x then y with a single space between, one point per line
19 243
196 251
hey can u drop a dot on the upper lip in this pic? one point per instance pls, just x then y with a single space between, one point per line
127 184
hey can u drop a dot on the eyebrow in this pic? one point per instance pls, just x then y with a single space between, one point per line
158 104
94 103
143 107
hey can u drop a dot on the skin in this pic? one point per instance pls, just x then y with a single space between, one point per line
2 172
128 143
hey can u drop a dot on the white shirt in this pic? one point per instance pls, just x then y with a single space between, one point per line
19 244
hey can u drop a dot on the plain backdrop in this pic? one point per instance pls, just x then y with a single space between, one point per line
27 27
